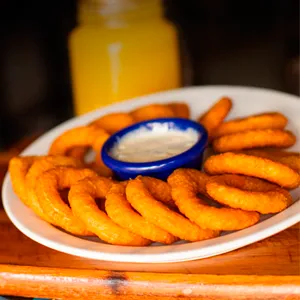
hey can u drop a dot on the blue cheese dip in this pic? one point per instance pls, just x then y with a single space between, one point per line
161 142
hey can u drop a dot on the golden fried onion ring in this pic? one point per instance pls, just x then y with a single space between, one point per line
40 166
159 214
254 138
60 214
152 111
290 159
248 193
114 122
238 163
214 117
186 184
121 212
82 200
18 168
272 120
87 136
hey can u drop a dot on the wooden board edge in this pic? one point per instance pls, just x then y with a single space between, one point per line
31 281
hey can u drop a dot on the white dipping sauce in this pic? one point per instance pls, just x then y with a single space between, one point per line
143 145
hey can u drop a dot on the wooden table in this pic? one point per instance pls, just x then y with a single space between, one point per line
269 269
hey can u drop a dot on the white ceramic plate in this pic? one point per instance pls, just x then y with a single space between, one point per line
246 101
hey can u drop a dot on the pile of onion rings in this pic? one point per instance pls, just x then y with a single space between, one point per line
243 181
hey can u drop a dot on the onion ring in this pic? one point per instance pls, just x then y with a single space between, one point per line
212 119
272 120
254 138
82 200
120 211
114 122
290 159
152 111
37 169
87 136
159 190
47 191
248 193
18 168
111 123
185 189
180 109
238 163
157 213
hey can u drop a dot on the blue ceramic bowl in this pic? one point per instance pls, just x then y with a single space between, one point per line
192 158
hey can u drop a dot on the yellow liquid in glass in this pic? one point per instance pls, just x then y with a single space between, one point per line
121 61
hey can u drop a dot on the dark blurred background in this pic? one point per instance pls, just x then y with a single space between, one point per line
234 42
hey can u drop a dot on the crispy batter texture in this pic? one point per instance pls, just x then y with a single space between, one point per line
248 193
60 214
121 212
185 190
160 190
82 200
214 117
238 163
152 111
18 168
290 159
198 178
87 136
272 120
180 109
114 122
40 166
159 214
254 139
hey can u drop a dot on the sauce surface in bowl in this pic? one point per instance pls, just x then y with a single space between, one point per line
144 145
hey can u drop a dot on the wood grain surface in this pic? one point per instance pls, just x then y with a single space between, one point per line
269 269
86 284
